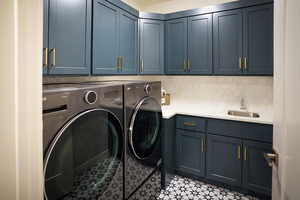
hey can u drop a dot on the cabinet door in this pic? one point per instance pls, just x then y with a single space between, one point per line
228 42
224 159
151 46
258 39
257 175
45 37
128 43
190 156
200 44
105 38
176 46
69 35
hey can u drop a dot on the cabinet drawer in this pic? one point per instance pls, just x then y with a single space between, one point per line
191 123
244 130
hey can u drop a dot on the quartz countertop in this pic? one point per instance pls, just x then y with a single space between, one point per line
191 109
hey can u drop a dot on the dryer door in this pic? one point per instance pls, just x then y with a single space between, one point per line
84 159
144 130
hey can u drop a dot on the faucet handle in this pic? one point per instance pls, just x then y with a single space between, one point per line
243 104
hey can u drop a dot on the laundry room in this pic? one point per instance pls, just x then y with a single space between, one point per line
149 100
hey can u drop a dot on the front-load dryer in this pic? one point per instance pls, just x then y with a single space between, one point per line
143 117
83 141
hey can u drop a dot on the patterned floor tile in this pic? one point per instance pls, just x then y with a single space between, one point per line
182 188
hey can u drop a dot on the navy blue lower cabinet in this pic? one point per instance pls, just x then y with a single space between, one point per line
168 156
190 155
224 159
257 175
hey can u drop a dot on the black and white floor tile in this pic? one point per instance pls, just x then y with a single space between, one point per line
99 182
186 189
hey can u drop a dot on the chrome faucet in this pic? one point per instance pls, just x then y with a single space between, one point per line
243 104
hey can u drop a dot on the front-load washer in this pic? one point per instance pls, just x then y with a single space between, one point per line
143 116
83 141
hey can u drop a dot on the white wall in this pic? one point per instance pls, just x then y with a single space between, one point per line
21 100
165 6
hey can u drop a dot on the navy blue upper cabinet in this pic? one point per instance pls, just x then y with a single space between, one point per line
190 155
258 40
128 43
176 46
257 175
228 42
69 36
105 38
115 40
200 44
151 46
224 159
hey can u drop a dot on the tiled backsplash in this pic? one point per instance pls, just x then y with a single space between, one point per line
217 92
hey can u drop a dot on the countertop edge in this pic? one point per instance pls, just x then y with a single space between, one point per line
225 117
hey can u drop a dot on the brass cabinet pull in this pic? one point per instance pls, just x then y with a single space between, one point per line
240 63
45 52
202 145
53 55
245 153
245 63
189 124
189 65
121 64
142 65
184 65
239 152
118 63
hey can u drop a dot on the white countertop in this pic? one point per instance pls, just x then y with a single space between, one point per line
191 109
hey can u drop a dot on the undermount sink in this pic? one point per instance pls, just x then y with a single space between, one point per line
243 114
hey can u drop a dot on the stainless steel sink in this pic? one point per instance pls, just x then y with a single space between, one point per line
243 114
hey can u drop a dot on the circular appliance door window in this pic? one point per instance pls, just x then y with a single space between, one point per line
84 159
144 129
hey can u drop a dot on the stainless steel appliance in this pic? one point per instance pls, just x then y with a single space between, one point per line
83 141
142 122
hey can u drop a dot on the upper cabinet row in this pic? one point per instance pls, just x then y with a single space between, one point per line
99 37
232 42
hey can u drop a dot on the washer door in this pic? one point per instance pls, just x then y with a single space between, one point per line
144 130
85 157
